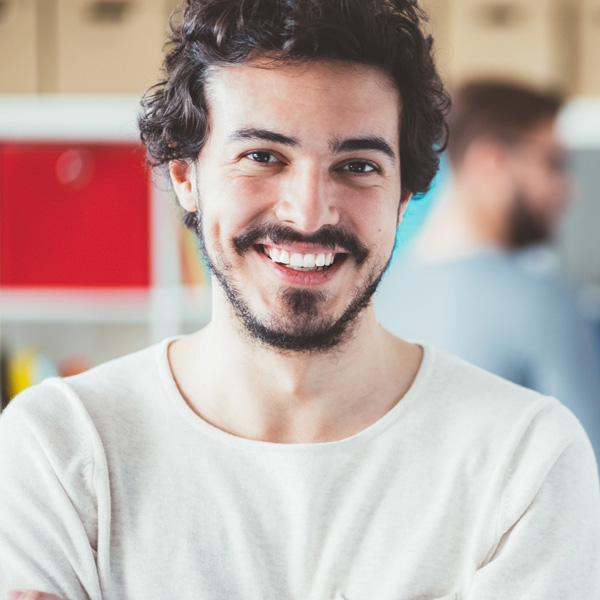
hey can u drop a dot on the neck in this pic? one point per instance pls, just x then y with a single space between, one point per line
464 221
265 394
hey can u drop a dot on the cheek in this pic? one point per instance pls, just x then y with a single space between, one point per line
375 223
249 198
544 195
228 206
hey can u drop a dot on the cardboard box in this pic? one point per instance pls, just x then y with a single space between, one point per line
173 6
439 27
588 72
173 13
109 46
529 40
18 46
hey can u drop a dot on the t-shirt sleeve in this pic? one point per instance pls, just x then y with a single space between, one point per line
548 528
48 510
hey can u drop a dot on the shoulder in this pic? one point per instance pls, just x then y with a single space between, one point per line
49 405
121 375
476 283
72 409
509 435
503 270
499 413
46 436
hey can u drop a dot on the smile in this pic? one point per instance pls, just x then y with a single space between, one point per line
300 262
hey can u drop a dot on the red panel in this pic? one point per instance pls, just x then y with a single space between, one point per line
74 215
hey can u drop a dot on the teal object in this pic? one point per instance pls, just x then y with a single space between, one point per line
418 210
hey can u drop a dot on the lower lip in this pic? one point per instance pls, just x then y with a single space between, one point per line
303 278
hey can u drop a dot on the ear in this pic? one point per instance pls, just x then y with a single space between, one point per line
485 156
404 200
183 178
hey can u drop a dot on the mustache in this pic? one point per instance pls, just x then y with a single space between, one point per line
329 236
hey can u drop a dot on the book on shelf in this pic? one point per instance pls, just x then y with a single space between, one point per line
193 268
27 366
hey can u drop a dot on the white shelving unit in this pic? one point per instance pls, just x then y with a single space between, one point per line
75 305
579 123
137 316
165 308
579 126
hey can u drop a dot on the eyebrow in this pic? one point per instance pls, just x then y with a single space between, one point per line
252 133
363 143
336 146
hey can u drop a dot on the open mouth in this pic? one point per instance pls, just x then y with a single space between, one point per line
302 262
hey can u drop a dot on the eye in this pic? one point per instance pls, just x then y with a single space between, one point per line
261 156
360 167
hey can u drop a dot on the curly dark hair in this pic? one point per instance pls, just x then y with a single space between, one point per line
383 33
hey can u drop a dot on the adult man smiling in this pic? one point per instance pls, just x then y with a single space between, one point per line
316 178
293 448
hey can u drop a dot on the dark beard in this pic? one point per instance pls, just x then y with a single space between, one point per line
310 334
524 227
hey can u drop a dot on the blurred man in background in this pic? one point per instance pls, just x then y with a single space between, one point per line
469 284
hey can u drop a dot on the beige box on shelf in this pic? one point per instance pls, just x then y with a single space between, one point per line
18 46
530 40
108 46
588 72
438 12
171 6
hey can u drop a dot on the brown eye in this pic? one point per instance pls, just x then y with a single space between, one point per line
360 167
261 157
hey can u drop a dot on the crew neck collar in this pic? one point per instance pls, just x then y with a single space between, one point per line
374 430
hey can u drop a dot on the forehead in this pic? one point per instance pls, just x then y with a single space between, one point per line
314 99
545 134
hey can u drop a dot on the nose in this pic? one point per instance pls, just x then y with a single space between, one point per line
307 200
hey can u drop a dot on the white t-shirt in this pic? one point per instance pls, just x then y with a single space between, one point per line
470 487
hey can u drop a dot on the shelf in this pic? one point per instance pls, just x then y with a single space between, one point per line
71 305
579 123
74 305
112 117
73 117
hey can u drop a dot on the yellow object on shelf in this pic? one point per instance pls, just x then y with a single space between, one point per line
193 271
20 370
25 368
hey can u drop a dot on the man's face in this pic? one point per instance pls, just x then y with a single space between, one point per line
540 186
298 192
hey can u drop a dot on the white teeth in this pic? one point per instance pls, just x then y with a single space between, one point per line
274 254
297 260
309 261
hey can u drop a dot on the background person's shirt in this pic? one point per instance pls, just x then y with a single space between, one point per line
470 487
495 311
